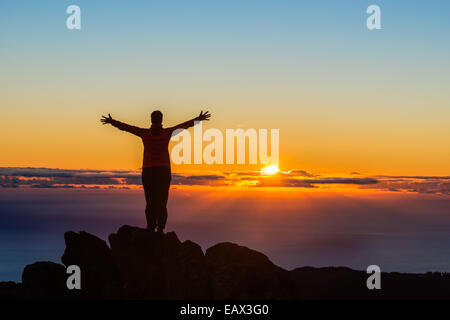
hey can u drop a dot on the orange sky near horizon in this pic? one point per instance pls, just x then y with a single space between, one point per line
86 144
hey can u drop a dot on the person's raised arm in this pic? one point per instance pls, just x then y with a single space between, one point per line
122 126
190 123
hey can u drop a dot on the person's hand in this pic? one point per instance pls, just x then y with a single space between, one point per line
106 120
203 116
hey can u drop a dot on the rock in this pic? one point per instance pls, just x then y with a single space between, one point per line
345 283
10 290
159 266
331 283
44 280
238 272
99 276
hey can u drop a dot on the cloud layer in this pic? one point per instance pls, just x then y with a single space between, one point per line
19 177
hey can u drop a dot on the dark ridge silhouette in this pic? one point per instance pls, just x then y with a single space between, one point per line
141 264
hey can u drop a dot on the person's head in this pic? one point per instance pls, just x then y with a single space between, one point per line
157 117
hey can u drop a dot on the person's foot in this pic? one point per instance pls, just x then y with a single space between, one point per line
159 231
150 228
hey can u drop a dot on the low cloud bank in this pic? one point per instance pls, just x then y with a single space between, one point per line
20 177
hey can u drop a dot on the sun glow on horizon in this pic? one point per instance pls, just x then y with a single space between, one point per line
271 169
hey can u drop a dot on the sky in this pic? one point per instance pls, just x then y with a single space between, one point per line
345 98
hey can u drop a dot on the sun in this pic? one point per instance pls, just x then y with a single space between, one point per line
271 169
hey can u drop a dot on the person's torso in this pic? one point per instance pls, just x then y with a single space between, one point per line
156 148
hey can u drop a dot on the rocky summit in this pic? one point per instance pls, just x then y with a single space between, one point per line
140 264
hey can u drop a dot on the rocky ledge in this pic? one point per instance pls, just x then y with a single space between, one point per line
140 264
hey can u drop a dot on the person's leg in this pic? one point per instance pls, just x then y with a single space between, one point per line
168 177
155 195
163 195
149 212
158 197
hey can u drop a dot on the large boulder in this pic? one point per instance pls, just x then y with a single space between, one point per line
44 280
238 272
99 276
159 266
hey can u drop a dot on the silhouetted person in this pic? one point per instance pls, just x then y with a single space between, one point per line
156 174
